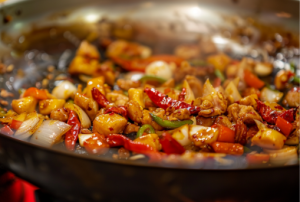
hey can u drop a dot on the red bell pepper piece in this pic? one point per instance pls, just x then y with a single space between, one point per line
257 158
271 115
36 93
6 130
99 97
182 94
15 124
116 140
72 135
225 133
170 145
118 110
96 144
252 80
228 148
284 126
163 101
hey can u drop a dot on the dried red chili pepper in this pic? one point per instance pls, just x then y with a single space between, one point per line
116 140
118 110
72 135
240 132
170 145
182 94
99 97
163 101
270 115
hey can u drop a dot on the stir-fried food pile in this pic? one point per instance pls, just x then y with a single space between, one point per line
164 107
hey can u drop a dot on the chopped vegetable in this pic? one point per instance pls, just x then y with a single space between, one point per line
169 124
83 117
286 155
270 115
268 95
27 128
6 130
64 90
170 145
252 80
15 124
143 129
164 101
72 135
99 97
284 126
268 138
181 134
50 132
225 134
116 140
36 93
228 148
220 75
152 78
257 158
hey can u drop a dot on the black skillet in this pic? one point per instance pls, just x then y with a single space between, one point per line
76 177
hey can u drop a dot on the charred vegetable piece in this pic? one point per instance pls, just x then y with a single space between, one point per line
169 124
271 115
228 148
99 97
143 129
163 101
170 145
72 135
220 75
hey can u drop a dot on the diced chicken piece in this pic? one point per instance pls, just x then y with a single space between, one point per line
117 98
109 124
127 84
130 128
249 101
88 50
134 110
205 121
60 114
180 114
223 120
246 113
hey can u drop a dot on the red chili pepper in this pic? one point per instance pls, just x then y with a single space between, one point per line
271 115
6 130
217 82
284 126
182 94
116 140
170 145
99 97
163 101
36 93
72 135
15 124
118 110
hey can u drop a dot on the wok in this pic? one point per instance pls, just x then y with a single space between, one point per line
76 177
